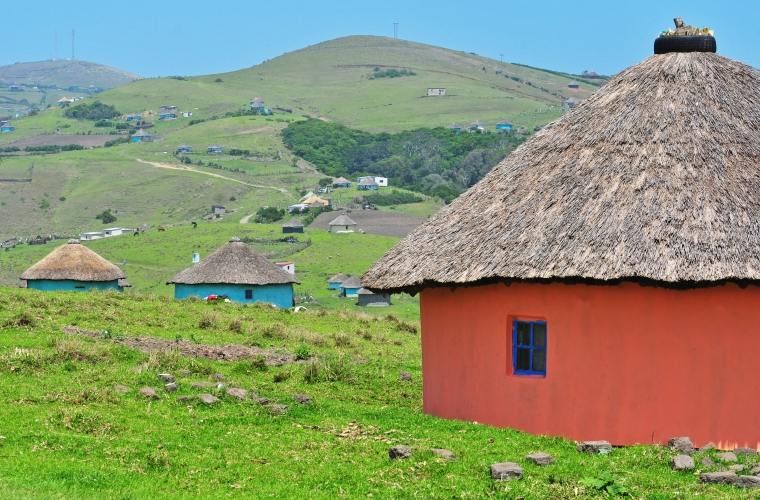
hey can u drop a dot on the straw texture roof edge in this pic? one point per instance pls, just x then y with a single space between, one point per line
234 263
73 261
653 179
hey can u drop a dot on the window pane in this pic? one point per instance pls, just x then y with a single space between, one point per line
523 333
539 335
523 359
539 361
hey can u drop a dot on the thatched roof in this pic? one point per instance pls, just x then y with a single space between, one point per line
341 180
73 261
234 263
338 278
573 83
364 291
141 133
215 145
352 282
477 123
124 283
367 182
653 179
184 145
343 220
454 125
293 223
504 122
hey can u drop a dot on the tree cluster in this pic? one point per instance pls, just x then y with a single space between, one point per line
93 111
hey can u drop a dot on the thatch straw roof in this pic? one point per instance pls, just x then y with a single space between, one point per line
504 122
341 180
141 133
73 262
124 283
352 282
364 291
652 179
338 278
215 146
454 125
293 223
234 263
343 220
367 182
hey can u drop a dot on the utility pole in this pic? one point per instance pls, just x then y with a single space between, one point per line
501 58
395 30
55 46
72 44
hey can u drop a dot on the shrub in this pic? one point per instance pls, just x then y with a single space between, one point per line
62 198
209 320
266 215
106 216
281 376
44 205
302 352
92 111
274 330
236 325
406 327
115 142
342 340
259 363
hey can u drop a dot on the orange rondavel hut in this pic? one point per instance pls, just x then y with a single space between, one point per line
603 281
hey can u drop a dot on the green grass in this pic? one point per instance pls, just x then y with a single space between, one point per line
67 434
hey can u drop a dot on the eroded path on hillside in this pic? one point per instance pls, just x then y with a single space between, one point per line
171 166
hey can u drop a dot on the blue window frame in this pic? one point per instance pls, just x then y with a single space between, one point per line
529 339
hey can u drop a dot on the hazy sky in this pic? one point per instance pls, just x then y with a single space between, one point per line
192 37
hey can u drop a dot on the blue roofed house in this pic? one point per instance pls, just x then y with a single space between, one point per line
350 287
134 117
74 267
257 104
185 148
214 149
504 125
237 271
7 127
167 112
141 136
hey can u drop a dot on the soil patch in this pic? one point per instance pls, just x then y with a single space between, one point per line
374 222
87 141
227 352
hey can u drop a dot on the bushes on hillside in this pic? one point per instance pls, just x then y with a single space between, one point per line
93 111
392 73
395 198
266 215
115 142
106 216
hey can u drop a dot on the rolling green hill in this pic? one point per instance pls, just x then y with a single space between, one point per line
65 73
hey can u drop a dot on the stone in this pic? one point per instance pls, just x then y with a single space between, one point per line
737 467
208 398
595 447
707 447
728 456
303 399
722 477
707 462
280 408
165 377
506 471
444 454
172 387
756 470
235 392
405 376
123 389
682 462
748 482
219 376
400 451
184 399
186 373
263 401
682 445
148 392
540 458
750 452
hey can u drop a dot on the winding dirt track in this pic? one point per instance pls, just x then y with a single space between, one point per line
190 169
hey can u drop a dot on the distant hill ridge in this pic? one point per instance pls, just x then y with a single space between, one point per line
65 73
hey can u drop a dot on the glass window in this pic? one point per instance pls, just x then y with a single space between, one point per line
249 294
529 342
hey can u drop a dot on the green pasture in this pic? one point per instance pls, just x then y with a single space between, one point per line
67 433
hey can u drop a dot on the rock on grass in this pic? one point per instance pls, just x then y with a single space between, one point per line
148 392
506 471
722 477
238 393
750 452
400 451
748 482
728 456
682 445
540 458
123 389
682 462
302 398
406 376
208 398
444 454
279 408
166 377
595 447
172 387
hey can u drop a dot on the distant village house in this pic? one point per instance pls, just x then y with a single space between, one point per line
436 92
455 127
185 148
341 182
292 226
214 149
503 125
141 136
343 224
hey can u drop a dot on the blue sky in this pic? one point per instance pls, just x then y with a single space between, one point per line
192 37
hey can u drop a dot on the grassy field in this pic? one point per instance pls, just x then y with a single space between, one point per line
153 258
65 73
67 433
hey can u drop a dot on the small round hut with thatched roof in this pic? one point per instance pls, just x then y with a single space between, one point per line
335 282
350 287
237 271
74 267
293 226
603 281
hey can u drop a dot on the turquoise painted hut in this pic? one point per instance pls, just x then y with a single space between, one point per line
257 104
335 282
367 184
185 148
503 125
214 149
341 182
74 267
455 127
7 127
293 226
237 271
141 136
350 287
134 117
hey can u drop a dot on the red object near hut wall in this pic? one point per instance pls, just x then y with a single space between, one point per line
624 363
